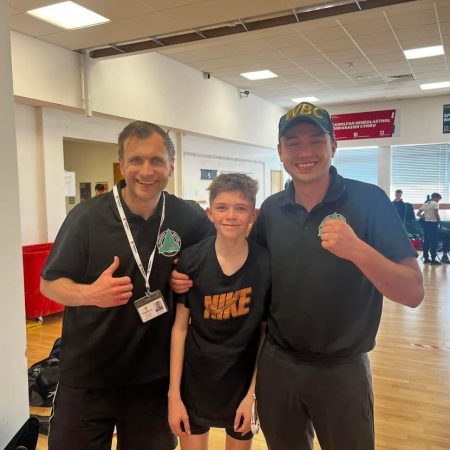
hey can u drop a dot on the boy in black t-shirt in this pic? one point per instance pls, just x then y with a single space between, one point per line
218 323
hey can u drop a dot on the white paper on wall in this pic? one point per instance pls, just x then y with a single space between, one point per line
69 178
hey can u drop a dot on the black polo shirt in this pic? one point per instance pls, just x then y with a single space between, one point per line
322 305
110 347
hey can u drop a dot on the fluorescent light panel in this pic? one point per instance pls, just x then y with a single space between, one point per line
424 52
68 15
305 99
259 75
440 85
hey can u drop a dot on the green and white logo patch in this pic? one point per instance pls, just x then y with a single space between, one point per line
168 243
334 216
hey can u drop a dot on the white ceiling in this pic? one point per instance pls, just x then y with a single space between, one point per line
343 59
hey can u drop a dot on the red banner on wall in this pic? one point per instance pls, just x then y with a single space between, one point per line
364 125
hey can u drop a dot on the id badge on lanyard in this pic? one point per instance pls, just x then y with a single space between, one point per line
150 306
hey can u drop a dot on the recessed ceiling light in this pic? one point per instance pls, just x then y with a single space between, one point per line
259 75
68 15
424 52
305 99
440 85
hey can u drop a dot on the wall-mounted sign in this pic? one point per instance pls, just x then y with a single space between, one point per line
446 119
364 125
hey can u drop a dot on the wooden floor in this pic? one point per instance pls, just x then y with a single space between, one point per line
411 371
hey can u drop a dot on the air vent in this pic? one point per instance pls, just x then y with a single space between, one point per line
404 76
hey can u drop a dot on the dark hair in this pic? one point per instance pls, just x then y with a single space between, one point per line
436 195
142 130
99 187
228 182
399 191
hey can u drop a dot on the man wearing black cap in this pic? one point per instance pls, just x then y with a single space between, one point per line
336 248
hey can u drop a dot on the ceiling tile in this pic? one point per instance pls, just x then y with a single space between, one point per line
250 8
152 24
444 13
345 56
13 11
417 19
362 28
329 34
426 31
169 4
114 9
29 25
289 40
26 5
111 32
336 45
69 39
420 42
367 15
198 15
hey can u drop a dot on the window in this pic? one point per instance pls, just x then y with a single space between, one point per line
419 170
358 163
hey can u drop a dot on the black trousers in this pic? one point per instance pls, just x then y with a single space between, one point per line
296 398
84 419
430 239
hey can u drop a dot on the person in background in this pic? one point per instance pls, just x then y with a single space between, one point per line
400 205
110 266
100 189
218 323
429 212
336 248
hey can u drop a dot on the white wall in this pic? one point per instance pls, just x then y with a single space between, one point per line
13 376
31 174
45 72
206 153
153 87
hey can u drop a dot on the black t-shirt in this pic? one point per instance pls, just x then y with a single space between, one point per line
223 333
110 347
322 305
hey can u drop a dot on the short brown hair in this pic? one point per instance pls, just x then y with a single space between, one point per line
229 182
142 130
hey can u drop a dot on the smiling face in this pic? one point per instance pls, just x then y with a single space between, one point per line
231 213
146 167
306 152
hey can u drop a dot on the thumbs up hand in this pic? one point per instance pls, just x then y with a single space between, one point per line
108 291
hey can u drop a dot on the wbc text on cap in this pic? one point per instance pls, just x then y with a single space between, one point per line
306 112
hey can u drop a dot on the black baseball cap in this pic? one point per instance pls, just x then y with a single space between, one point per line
306 112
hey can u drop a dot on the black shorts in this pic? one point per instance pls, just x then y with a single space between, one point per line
84 419
200 429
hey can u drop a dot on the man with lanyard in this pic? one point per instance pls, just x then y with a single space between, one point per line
336 247
110 266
